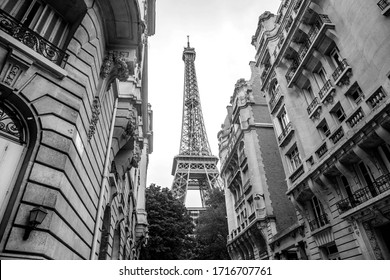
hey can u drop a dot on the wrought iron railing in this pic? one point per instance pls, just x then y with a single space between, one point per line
380 185
319 222
303 49
312 105
325 89
285 132
339 70
383 4
291 71
31 39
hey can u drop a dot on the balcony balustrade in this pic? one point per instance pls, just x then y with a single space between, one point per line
340 71
286 131
355 118
303 49
379 186
291 70
313 106
322 150
375 99
33 40
319 222
337 135
325 91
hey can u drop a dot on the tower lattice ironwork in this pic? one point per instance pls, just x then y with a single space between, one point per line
195 168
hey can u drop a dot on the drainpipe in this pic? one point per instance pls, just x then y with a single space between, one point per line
105 176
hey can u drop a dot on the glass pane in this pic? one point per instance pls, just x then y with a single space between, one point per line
50 27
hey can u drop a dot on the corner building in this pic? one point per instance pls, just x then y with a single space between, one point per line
325 72
75 127
257 207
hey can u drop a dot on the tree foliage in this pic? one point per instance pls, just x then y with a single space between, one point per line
212 228
170 227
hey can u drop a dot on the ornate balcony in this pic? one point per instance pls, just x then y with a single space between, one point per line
325 92
291 71
285 133
384 5
355 118
319 222
376 98
275 100
29 38
342 73
337 135
322 150
380 185
315 35
314 108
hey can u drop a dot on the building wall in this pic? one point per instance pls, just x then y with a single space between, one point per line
344 162
251 170
81 120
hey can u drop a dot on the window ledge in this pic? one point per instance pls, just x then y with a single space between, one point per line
49 66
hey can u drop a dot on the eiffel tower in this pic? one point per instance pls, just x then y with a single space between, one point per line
195 168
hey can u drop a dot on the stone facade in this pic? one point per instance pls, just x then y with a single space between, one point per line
75 127
325 73
257 207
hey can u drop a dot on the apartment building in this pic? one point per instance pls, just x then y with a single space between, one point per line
251 169
325 73
75 128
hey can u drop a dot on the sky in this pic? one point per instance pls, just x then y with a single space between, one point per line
221 33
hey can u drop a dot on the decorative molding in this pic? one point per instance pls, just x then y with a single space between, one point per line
95 117
117 65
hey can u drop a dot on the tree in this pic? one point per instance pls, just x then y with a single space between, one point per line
212 228
170 227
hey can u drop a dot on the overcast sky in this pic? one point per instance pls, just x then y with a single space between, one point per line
221 32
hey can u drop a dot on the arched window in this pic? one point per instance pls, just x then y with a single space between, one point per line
12 148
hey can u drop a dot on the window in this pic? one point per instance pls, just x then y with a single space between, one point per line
283 119
339 113
322 77
355 93
336 58
324 128
294 159
274 89
318 212
39 17
346 186
310 93
330 252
